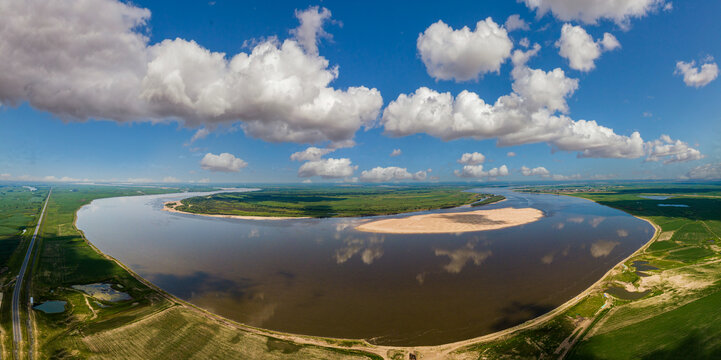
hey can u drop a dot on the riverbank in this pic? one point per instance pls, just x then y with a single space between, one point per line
458 222
428 352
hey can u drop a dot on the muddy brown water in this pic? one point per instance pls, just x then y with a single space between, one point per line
321 277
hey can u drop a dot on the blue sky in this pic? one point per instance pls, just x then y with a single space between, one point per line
53 127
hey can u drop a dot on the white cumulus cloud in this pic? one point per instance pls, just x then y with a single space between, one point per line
201 133
532 113
697 76
91 59
541 171
477 171
514 22
671 151
590 11
537 171
396 152
224 162
391 173
327 168
309 154
705 172
580 49
311 27
473 158
463 54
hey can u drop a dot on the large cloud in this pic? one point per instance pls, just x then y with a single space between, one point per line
697 76
463 54
532 113
224 162
578 47
590 11
91 59
327 168
391 173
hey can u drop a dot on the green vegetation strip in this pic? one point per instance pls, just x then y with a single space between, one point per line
330 201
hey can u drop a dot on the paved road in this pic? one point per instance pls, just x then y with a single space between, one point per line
17 327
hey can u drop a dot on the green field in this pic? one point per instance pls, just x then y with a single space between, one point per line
151 325
688 332
678 318
331 201
19 209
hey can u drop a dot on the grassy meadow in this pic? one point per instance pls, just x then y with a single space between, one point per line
676 279
331 201
672 313
151 325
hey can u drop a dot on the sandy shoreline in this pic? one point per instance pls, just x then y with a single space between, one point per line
170 207
458 222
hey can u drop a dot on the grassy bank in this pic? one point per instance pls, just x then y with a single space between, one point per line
678 274
149 325
330 201
670 292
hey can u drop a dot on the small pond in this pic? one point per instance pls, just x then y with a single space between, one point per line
643 266
624 294
654 197
51 307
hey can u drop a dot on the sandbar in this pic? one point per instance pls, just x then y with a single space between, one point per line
170 207
457 222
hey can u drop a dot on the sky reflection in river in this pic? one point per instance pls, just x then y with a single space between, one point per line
322 277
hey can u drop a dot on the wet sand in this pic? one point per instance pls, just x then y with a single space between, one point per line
170 207
460 222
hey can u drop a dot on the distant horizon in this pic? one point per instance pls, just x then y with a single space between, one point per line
416 183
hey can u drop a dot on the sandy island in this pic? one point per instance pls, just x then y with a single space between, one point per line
170 207
458 222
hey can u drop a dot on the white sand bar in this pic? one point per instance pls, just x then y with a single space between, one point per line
458 222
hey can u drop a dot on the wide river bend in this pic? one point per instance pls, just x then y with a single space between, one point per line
321 277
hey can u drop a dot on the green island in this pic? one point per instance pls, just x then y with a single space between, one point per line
337 201
669 292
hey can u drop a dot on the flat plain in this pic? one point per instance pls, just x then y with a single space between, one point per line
667 288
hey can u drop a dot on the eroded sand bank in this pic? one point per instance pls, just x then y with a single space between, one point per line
170 207
459 222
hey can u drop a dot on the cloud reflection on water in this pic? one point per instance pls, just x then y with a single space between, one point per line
460 257
370 249
602 248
